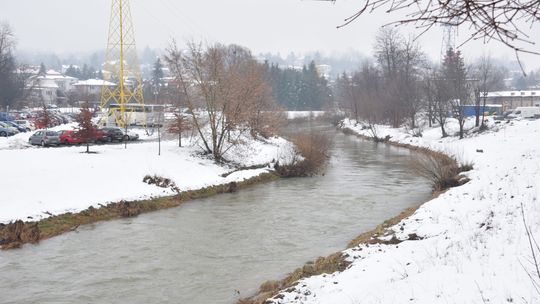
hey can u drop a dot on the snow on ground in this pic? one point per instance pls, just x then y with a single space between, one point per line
475 247
303 114
36 181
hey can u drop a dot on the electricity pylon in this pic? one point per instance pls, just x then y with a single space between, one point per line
121 67
449 39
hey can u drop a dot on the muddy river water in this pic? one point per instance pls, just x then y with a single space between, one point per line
218 249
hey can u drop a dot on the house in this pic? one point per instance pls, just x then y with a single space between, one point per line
89 91
65 83
43 91
50 88
92 86
513 99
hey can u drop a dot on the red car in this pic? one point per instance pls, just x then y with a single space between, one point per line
67 137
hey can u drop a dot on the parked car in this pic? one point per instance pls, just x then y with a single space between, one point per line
25 124
5 116
10 130
102 136
5 132
119 134
44 138
67 137
525 112
16 126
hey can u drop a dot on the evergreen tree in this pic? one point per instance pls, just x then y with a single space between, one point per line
86 72
42 70
455 76
73 72
157 73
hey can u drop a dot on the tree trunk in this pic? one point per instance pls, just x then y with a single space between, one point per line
87 147
180 139
484 112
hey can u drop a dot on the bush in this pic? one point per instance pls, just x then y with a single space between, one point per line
440 169
310 154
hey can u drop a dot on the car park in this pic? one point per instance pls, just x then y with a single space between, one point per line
5 116
44 138
525 112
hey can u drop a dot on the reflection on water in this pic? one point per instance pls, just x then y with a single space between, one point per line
206 251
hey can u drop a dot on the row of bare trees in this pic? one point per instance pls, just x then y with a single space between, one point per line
402 83
225 92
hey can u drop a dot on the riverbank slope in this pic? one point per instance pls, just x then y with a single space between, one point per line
40 182
469 245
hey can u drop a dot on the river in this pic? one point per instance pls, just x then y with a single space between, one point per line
218 249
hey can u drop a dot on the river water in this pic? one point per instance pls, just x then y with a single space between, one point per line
218 249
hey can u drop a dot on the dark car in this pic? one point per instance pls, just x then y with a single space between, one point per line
102 136
119 134
114 134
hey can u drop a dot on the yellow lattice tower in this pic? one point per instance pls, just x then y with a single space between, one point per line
121 66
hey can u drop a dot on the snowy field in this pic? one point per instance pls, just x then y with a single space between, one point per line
303 114
37 182
474 246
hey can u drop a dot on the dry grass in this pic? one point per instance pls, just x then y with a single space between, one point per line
441 170
311 153
330 264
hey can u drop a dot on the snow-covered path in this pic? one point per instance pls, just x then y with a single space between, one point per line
474 246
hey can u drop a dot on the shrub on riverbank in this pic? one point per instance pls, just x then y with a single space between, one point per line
309 156
441 170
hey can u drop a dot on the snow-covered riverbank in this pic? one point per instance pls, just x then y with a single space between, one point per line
38 182
473 247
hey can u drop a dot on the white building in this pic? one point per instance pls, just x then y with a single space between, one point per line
51 88
65 83
44 91
513 99
92 86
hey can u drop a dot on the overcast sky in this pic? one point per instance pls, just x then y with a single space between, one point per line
68 26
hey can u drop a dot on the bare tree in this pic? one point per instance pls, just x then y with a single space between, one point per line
489 78
400 61
501 20
413 59
12 81
441 104
224 91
